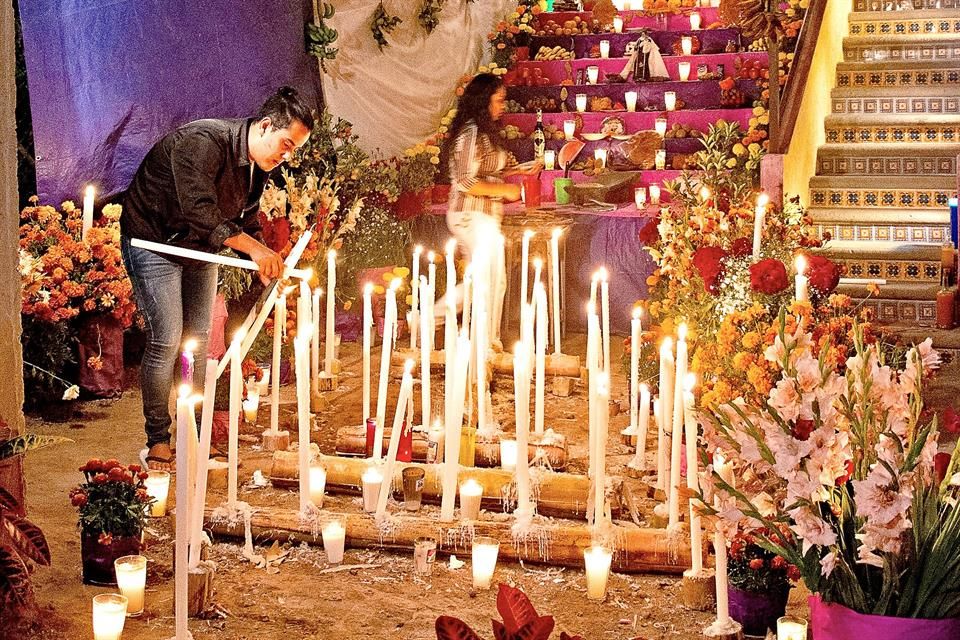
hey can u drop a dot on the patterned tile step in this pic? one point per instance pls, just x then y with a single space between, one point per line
872 225
908 159
898 74
901 47
920 311
866 132
869 23
902 6
892 101
881 191
891 261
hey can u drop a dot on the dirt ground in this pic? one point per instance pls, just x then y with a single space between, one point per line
383 598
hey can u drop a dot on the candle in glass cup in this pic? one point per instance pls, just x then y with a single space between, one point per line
157 485
569 128
640 198
683 71
371 479
549 159
132 580
600 156
630 97
471 493
318 483
334 535
251 406
670 100
791 628
661 159
660 126
593 74
686 45
109 614
485 551
581 100
617 24
654 194
508 454
694 21
604 49
597 560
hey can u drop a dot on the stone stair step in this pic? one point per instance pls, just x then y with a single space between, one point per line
895 262
888 6
910 22
881 191
922 46
899 302
868 101
857 129
875 224
898 73
871 158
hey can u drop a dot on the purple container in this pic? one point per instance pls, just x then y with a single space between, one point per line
836 622
757 611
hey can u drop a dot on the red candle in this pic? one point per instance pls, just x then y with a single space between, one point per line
531 191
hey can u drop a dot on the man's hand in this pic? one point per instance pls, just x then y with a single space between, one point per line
269 262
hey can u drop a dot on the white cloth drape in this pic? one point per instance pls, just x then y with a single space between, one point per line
396 98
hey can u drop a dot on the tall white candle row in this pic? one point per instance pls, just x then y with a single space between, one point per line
677 426
540 299
426 348
693 479
665 413
389 330
331 312
406 393
415 313
367 327
521 385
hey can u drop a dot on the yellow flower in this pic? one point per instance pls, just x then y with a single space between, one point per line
731 163
347 305
401 272
739 149
751 340
742 360
873 289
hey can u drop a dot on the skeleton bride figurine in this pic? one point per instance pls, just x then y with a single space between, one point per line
645 61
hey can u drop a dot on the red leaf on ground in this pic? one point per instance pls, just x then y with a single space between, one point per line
450 628
515 608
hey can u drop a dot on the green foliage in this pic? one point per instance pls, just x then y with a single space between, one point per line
28 442
381 24
429 14
716 158
379 240
48 348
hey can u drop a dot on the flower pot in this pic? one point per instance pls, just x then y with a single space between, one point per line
97 558
836 622
441 193
757 611
560 190
411 204
100 342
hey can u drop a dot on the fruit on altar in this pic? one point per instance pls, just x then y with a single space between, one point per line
545 104
727 83
600 103
554 53
680 131
641 149
681 161
511 132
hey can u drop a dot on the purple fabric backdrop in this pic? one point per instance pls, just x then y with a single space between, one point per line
110 77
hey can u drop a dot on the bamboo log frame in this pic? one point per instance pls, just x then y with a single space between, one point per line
636 550
556 365
557 494
352 441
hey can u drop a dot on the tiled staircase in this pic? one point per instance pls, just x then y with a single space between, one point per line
889 164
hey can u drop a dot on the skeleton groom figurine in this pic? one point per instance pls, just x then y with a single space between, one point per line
645 61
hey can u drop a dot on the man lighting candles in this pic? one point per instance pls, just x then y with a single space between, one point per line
199 188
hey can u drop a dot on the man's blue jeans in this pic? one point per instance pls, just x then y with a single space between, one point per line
176 303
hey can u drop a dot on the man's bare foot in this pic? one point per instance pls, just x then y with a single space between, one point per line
160 458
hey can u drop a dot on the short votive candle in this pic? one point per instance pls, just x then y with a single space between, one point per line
630 97
508 454
485 551
600 155
695 21
569 128
791 628
597 560
683 70
661 126
593 74
157 485
549 159
251 407
581 102
661 159
334 536
654 194
318 483
640 198
617 24
132 580
109 614
372 479
686 45
604 49
670 100
471 494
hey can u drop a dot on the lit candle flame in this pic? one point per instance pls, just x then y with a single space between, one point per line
800 263
689 382
190 346
431 256
395 284
682 331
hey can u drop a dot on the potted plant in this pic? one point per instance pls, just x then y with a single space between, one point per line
114 505
759 583
416 174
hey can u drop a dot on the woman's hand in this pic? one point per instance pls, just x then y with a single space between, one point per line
526 170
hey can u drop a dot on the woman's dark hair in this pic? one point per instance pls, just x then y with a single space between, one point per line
474 105
284 107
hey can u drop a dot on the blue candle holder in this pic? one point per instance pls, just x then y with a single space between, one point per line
953 202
